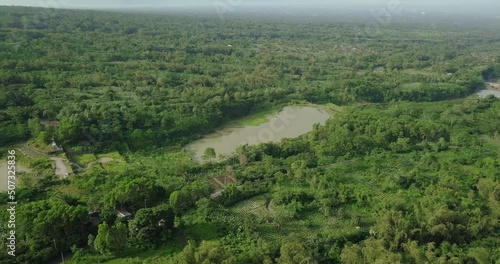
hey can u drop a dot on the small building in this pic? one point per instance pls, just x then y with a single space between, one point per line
123 214
94 214
93 220
55 148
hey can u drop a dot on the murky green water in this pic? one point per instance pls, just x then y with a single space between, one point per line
291 122
484 93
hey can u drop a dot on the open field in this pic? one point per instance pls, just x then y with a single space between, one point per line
114 155
255 206
302 228
109 160
83 159
257 118
132 255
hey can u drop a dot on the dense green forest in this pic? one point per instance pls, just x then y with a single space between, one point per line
407 171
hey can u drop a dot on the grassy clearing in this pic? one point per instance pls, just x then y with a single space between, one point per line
83 159
332 109
303 228
115 155
69 190
109 161
309 223
112 161
270 233
132 255
255 205
259 117
40 146
173 165
411 86
170 248
492 141
200 231
423 72
115 166
168 160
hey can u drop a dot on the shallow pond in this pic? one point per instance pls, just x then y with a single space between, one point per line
484 93
290 122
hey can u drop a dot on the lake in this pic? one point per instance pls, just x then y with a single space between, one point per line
4 174
290 122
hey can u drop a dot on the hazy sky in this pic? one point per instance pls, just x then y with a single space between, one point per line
465 5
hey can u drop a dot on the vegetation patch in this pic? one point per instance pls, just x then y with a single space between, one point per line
258 118
405 171
83 159
200 232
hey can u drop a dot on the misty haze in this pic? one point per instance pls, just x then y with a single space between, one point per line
249 131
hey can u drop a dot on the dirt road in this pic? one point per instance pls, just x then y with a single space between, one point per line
61 168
